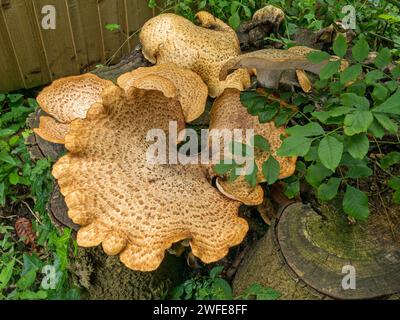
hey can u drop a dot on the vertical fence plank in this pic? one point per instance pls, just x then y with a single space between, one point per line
10 76
86 29
138 13
25 37
59 43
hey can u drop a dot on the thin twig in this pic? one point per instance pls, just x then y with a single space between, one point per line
33 213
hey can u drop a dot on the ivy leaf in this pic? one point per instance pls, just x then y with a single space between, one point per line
316 173
383 58
361 50
294 146
309 130
355 203
329 70
329 190
357 146
261 143
357 122
386 123
340 46
318 56
330 152
350 74
271 170
391 105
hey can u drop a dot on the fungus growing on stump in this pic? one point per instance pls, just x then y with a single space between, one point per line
169 38
191 91
272 63
229 113
132 207
65 100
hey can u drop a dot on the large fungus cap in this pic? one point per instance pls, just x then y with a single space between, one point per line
269 14
169 38
271 63
229 113
134 208
67 99
190 88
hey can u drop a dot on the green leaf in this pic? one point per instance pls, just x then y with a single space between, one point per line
292 189
112 26
260 292
2 194
15 97
355 203
354 100
391 105
376 129
361 50
6 274
30 295
383 58
223 168
271 170
216 271
396 72
318 56
309 130
7 132
330 152
270 111
386 123
294 146
329 190
239 149
380 92
329 70
357 146
357 122
234 21
13 178
374 76
316 173
252 177
340 46
7 158
221 290
2 97
350 74
359 171
394 183
390 159
27 280
261 143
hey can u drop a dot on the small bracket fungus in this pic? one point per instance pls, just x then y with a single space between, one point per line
133 207
271 63
190 89
169 38
67 99
229 113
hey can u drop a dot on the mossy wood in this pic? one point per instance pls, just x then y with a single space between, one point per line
304 253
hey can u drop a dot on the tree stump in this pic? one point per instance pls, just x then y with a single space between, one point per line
303 255
101 276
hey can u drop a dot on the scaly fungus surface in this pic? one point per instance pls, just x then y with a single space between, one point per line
132 207
169 38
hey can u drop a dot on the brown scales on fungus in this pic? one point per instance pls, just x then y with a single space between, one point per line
132 207
169 38
190 88
229 113
65 100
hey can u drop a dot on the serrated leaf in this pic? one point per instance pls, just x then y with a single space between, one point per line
261 143
386 123
309 130
329 70
354 100
350 74
328 191
316 173
357 146
271 170
374 76
330 152
361 50
355 203
357 122
391 105
340 46
383 58
270 111
380 92
318 56
294 146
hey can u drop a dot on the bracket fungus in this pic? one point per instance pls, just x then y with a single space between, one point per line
65 100
272 63
169 38
191 91
229 113
132 207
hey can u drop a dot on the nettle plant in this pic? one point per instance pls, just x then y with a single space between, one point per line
350 110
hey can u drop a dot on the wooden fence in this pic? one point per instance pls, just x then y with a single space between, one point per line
31 55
